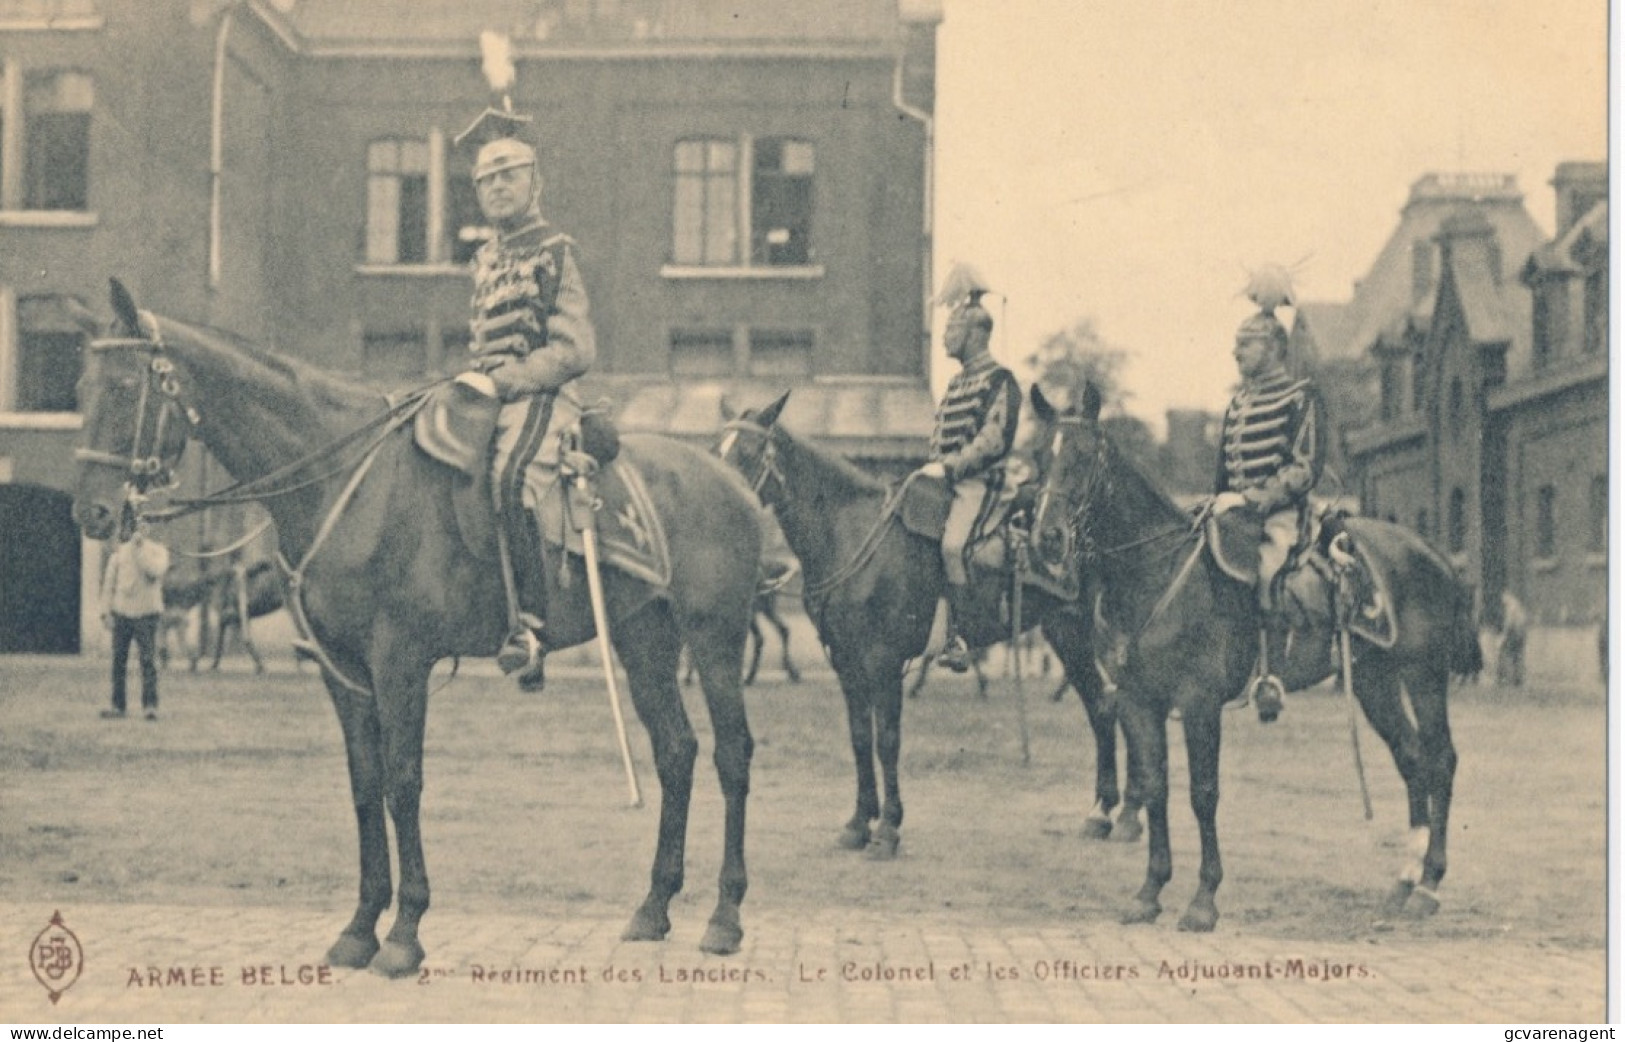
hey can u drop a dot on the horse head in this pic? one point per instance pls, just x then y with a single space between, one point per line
135 426
1071 461
748 446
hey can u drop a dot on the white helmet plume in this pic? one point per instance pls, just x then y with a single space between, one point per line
496 60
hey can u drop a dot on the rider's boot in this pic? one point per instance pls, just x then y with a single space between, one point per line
522 649
1269 694
955 654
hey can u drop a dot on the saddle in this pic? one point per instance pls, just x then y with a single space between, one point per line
1328 580
922 508
455 426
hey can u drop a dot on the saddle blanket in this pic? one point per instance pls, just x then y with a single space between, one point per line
631 535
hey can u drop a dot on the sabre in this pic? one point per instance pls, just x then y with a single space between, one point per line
1354 723
600 619
1015 644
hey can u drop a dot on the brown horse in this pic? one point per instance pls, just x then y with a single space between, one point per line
389 588
1194 640
871 587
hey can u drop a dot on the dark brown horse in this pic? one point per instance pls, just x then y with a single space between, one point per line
1194 640
871 588
389 588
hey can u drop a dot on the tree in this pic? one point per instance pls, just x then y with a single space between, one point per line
1065 360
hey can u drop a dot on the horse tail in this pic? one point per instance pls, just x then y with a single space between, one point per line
1466 655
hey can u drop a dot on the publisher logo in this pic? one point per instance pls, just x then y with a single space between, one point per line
56 958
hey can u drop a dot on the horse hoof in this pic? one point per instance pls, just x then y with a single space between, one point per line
1423 903
395 960
1097 828
854 837
721 938
1142 912
647 925
1198 920
352 951
1127 830
884 846
1394 903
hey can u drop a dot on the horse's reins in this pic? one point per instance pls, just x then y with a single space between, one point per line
768 466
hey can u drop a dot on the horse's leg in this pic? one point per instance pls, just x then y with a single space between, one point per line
1202 730
1146 728
358 716
919 678
1428 684
401 688
1376 685
886 691
860 723
1070 639
756 641
718 651
651 667
790 670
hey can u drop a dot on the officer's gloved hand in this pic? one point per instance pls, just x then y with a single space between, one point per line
1225 502
478 382
934 469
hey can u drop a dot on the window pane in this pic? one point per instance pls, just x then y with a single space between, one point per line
721 157
383 211
49 356
721 239
414 220
781 202
701 353
688 220
414 157
56 149
781 352
689 157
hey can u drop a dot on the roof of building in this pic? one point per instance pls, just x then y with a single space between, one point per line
875 418
1570 251
335 25
1320 328
1387 292
1496 306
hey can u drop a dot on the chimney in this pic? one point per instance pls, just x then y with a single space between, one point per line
1579 187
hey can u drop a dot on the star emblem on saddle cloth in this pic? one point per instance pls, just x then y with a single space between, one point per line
628 519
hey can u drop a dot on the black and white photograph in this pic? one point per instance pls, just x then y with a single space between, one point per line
504 503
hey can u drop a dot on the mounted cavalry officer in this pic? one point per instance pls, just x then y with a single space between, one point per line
531 336
1272 448
974 432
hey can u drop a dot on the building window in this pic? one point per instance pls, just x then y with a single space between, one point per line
1457 534
1389 379
1596 311
1458 407
1546 522
389 353
50 355
51 115
397 202
1421 269
702 353
1419 382
742 203
1541 328
1597 523
781 353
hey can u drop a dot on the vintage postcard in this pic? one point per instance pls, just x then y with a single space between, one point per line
504 505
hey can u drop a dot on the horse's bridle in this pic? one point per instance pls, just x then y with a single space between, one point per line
153 456
767 462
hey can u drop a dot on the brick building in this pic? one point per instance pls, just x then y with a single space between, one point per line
1492 429
749 184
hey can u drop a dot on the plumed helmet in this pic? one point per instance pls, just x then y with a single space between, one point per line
1269 287
502 154
494 133
962 291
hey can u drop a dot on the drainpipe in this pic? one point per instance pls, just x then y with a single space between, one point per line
217 134
929 186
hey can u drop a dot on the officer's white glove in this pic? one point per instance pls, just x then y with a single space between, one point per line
1227 501
934 469
480 382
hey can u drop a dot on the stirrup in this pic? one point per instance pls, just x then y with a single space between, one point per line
955 655
1268 694
522 650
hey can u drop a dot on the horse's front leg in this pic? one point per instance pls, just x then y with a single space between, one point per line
401 690
1071 639
860 723
358 716
651 659
1144 724
1201 720
887 694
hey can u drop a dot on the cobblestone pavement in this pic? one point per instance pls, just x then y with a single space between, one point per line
157 964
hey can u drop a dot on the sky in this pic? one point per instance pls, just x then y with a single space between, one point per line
1132 162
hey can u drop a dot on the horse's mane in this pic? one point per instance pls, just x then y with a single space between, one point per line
1122 464
837 469
324 388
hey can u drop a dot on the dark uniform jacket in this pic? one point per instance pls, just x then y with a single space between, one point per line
1274 443
976 422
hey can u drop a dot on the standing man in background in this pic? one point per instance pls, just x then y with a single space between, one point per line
132 605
